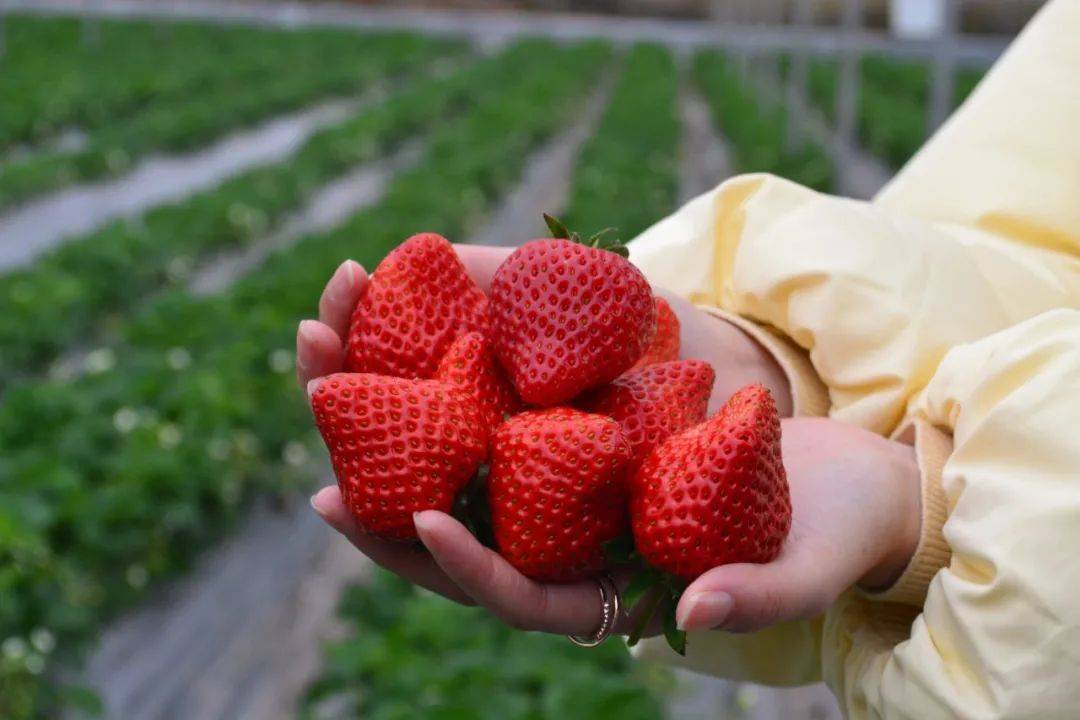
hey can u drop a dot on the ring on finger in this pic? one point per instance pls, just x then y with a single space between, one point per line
609 614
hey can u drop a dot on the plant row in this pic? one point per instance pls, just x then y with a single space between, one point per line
408 654
627 174
270 81
755 130
55 77
91 283
113 480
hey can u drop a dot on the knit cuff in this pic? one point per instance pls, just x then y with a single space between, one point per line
809 396
932 448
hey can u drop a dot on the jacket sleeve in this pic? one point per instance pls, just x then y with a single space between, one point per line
875 297
999 633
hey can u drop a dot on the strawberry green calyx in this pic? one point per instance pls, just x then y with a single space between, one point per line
471 508
602 240
649 594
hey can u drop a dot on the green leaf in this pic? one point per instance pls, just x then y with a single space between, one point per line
639 585
599 239
675 637
656 598
556 226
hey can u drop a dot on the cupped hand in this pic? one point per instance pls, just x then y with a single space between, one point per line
452 562
855 520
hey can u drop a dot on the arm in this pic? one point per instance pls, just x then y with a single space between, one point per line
997 635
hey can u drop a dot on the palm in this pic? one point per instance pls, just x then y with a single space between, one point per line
854 520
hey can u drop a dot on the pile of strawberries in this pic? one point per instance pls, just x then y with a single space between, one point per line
551 415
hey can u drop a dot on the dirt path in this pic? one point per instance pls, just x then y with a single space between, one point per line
329 207
240 636
38 225
704 158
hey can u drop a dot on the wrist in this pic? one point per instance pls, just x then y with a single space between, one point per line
751 362
899 472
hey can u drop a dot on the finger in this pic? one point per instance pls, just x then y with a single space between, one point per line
340 296
318 351
409 561
482 261
745 597
513 598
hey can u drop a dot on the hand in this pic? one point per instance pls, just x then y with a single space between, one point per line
856 520
455 565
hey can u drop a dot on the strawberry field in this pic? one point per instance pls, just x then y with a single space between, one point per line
142 416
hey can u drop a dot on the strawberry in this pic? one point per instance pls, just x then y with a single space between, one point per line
567 315
398 446
418 301
655 402
716 493
470 365
558 491
665 343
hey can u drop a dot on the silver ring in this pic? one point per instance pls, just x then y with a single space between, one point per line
609 614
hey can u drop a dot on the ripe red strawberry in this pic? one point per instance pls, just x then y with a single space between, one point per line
398 446
418 301
665 343
558 491
470 365
655 402
715 494
567 316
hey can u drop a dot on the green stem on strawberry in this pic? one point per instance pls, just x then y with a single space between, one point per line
471 508
654 598
648 593
602 240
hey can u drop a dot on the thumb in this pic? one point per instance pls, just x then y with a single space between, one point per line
745 597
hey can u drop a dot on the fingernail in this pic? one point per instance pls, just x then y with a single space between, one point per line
315 505
312 386
347 271
703 611
349 266
306 331
419 522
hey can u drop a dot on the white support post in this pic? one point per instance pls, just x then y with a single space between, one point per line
943 73
774 18
847 95
90 29
798 75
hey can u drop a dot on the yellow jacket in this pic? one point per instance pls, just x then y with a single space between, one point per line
946 313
